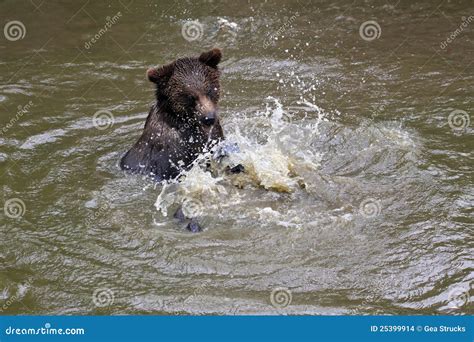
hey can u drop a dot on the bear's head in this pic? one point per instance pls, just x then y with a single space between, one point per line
189 88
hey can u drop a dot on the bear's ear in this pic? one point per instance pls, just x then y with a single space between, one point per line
161 74
211 58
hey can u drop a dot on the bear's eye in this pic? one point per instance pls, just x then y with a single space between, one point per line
190 98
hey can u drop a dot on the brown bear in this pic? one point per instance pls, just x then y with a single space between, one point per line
183 121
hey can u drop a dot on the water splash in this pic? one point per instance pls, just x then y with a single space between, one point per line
271 153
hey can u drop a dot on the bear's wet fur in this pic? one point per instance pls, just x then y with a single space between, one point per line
183 122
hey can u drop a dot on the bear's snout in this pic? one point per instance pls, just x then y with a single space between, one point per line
207 111
209 119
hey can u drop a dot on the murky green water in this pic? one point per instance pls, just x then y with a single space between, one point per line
359 192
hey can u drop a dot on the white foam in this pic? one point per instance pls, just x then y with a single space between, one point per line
269 164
